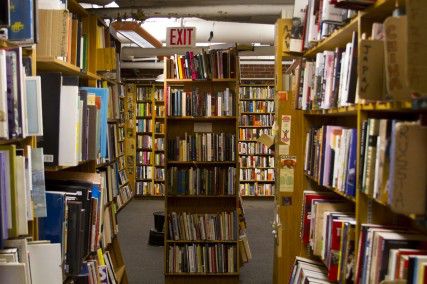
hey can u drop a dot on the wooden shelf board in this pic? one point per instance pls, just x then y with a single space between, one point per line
258 197
144 116
256 85
261 168
382 8
144 149
144 101
61 168
76 8
339 38
181 81
54 64
203 118
248 140
341 111
200 242
124 204
338 192
15 140
145 179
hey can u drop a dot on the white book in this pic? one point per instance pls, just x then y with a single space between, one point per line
313 31
22 246
29 183
13 273
21 82
34 114
330 13
307 85
4 126
20 196
68 121
80 129
219 105
343 77
183 103
208 104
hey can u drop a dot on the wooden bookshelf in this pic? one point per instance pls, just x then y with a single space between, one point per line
176 127
151 95
367 208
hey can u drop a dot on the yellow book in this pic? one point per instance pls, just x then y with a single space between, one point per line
178 61
100 257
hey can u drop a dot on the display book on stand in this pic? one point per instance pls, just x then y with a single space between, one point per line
363 203
202 242
58 215
256 159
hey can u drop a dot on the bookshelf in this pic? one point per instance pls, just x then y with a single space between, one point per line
256 161
359 177
150 148
211 122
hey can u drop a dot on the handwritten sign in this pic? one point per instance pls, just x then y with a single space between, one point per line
371 69
417 45
395 57
285 135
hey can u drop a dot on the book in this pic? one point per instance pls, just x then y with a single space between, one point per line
22 21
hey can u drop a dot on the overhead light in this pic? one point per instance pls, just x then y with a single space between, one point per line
133 32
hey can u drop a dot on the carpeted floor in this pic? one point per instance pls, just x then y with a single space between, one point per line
145 264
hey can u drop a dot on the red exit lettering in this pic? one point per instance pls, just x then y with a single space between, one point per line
181 36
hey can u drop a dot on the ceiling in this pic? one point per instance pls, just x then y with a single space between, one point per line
180 3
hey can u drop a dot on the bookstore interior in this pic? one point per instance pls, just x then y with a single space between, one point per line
295 125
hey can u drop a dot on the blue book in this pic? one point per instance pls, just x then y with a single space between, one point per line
21 20
350 187
51 227
103 94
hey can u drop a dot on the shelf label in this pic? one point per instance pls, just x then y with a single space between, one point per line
181 36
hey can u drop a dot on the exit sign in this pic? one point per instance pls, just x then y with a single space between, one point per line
180 36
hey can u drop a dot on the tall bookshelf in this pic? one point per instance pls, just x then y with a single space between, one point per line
211 200
150 149
256 160
367 207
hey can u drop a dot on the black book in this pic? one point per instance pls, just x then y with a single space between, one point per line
4 13
74 245
352 82
85 124
51 90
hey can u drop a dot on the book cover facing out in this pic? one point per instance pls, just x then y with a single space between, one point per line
21 20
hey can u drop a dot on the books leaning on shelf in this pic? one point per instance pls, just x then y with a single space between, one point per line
212 64
308 271
22 189
334 74
266 120
184 226
257 93
257 106
209 147
202 181
197 103
390 253
328 226
256 189
150 188
20 100
244 249
330 157
253 134
253 149
251 161
256 175
74 116
392 166
202 258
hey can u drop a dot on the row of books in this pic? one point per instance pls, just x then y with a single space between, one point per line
20 102
212 64
203 147
251 134
330 157
22 189
256 162
323 19
391 163
202 181
247 148
253 189
147 93
159 127
308 271
143 109
244 249
198 103
159 110
159 159
257 120
143 157
202 258
146 142
114 147
149 188
185 226
256 175
148 172
329 229
330 81
144 125
257 106
125 195
313 21
82 112
256 93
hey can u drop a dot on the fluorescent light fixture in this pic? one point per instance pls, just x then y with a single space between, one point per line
133 32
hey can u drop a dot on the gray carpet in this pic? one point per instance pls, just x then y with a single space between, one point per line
145 265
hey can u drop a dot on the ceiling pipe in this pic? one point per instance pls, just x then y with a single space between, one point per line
264 14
